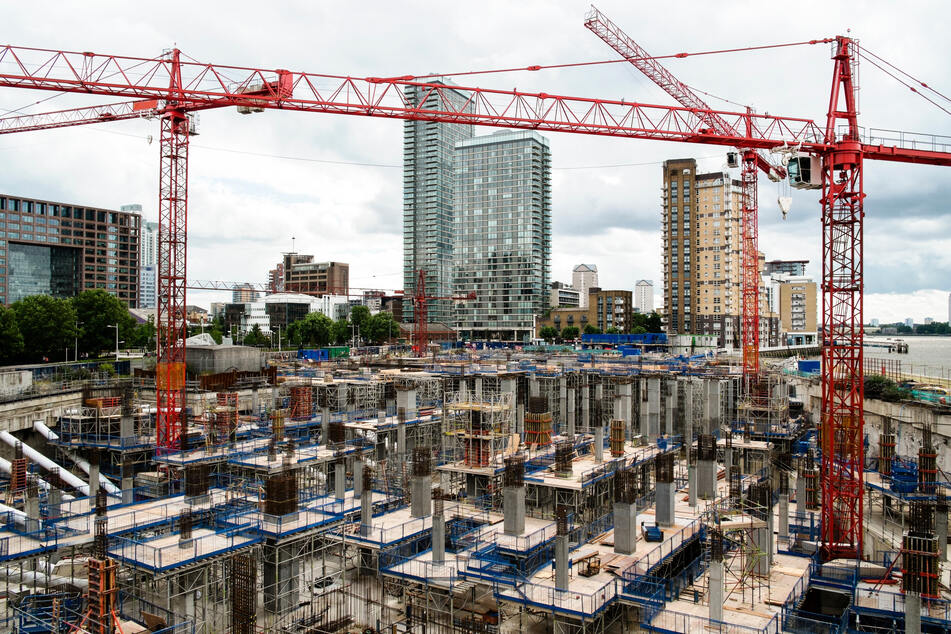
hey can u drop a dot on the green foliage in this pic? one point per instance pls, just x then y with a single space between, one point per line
143 335
645 322
548 333
47 325
340 332
591 330
359 316
313 331
255 337
570 332
613 331
108 368
97 310
936 328
11 340
884 389
380 328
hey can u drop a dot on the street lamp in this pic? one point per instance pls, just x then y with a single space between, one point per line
116 327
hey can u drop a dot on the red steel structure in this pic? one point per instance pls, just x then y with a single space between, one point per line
173 88
420 338
612 35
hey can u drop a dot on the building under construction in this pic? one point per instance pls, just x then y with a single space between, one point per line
525 491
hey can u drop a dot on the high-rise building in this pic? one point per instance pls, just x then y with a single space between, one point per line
303 275
790 267
502 227
148 259
797 308
50 248
244 294
275 279
606 309
702 259
428 150
584 277
644 296
910 322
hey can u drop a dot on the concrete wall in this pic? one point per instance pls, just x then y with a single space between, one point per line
15 382
223 358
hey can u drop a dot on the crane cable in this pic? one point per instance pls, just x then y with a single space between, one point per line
868 57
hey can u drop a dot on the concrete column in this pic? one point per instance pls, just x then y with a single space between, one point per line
407 400
54 501
800 494
692 484
422 497
357 477
689 422
562 405
671 406
366 512
653 409
401 448
715 595
533 386
127 430
128 492
728 457
706 479
520 421
784 515
561 562
912 613
325 425
570 416
665 503
626 409
586 409
770 532
340 481
93 481
762 539
281 578
478 389
599 443
513 507
255 402
439 538
941 528
32 508
625 528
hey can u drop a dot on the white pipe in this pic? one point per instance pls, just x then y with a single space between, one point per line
50 435
40 579
18 515
45 462
7 468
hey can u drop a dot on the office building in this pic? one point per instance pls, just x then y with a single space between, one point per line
279 310
644 296
563 296
51 248
275 279
702 257
302 275
789 267
797 309
584 277
428 150
502 227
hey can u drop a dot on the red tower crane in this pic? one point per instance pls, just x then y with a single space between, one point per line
178 87
420 339
613 36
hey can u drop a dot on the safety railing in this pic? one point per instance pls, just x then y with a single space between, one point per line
551 599
181 552
669 621
663 550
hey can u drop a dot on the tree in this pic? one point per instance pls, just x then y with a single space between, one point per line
97 310
11 340
381 327
548 333
340 332
884 389
255 337
613 331
47 324
359 315
570 332
314 330
590 329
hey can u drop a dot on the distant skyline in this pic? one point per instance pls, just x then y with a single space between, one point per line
335 183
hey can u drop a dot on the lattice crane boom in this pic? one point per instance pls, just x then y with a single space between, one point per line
180 87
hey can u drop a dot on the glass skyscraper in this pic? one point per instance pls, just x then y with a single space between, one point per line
427 201
502 247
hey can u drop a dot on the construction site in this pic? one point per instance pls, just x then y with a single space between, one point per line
437 490
502 492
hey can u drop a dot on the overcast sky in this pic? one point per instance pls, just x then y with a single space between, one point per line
335 183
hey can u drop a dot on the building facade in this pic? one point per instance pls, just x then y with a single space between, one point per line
303 275
279 310
789 267
50 248
563 296
584 277
428 189
702 256
606 309
644 296
275 279
502 227
244 294
148 259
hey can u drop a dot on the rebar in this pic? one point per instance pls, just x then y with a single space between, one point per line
561 520
625 487
564 454
243 594
514 474
664 468
422 457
